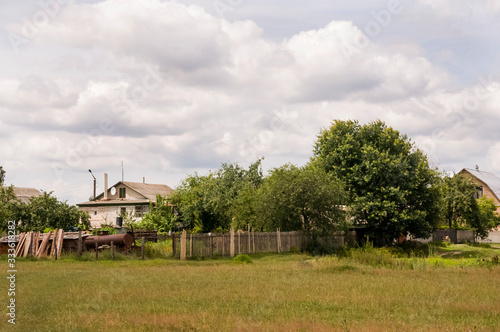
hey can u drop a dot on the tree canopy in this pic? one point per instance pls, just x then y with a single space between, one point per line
306 198
392 190
39 213
46 211
161 216
206 203
289 198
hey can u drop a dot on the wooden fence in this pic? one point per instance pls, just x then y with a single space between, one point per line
235 243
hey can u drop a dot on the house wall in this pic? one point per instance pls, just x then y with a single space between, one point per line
486 190
107 214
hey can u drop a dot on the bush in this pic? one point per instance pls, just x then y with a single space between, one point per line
242 259
105 228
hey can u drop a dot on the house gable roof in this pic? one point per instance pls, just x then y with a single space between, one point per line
490 179
147 190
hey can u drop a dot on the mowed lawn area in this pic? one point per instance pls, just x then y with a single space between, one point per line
289 292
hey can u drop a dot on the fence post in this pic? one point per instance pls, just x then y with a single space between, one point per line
231 243
253 240
173 245
183 245
191 245
211 245
278 240
96 251
248 235
80 244
223 245
112 251
239 241
143 241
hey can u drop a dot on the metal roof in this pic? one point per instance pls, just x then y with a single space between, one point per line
490 179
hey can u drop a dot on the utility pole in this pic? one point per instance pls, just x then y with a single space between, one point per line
90 171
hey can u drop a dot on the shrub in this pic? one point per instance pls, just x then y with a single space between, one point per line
242 259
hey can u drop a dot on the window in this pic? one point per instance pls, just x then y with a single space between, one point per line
95 213
123 211
138 211
123 192
479 192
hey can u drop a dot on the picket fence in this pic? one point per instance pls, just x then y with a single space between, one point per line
234 243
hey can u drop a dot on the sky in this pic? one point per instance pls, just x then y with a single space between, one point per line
169 88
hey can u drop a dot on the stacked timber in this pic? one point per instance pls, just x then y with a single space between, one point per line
40 245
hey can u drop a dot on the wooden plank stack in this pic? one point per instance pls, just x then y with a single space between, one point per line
40 245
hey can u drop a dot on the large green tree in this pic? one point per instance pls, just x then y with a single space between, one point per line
206 203
46 211
305 198
8 202
392 190
39 213
460 206
161 216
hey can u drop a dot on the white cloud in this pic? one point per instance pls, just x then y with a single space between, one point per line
169 88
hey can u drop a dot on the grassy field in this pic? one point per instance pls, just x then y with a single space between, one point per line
457 289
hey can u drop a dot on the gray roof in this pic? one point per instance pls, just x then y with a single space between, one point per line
490 179
24 194
150 190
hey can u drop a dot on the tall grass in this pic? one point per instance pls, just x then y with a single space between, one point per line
293 292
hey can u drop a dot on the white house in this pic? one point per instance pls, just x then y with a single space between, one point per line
122 198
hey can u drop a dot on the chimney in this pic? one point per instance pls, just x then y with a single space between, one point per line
105 186
143 179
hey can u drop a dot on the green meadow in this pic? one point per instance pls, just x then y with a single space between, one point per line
450 288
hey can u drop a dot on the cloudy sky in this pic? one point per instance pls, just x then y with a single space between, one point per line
174 87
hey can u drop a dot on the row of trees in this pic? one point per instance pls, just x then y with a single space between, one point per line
289 198
39 213
369 175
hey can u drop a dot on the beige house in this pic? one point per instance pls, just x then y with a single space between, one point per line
488 184
123 198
